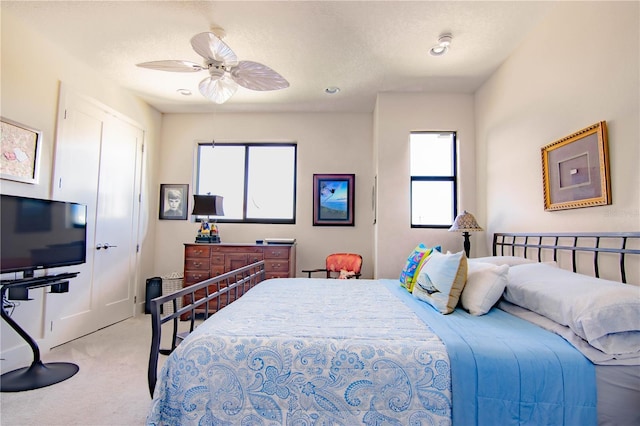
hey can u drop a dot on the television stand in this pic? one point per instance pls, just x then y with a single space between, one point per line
38 374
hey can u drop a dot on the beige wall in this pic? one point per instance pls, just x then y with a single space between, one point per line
580 66
31 73
327 143
398 114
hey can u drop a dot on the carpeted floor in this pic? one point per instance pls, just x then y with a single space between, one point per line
110 388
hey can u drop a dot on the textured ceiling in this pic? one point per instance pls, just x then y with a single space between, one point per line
363 47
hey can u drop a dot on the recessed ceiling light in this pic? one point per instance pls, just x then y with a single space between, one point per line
185 92
444 41
332 90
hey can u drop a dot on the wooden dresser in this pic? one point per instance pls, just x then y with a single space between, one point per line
203 261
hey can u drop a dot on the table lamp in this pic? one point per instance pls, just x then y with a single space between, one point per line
465 223
207 205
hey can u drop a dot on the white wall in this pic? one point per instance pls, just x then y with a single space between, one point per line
327 143
578 67
398 114
31 72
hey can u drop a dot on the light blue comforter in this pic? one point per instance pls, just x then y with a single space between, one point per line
349 352
508 371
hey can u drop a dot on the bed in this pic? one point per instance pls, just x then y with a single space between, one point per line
319 351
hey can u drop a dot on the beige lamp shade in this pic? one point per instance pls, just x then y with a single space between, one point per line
465 222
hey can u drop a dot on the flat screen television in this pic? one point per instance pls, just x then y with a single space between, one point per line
40 234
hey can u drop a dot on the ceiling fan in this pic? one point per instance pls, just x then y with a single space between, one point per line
225 71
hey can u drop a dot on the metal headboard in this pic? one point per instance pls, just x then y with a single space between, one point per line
505 244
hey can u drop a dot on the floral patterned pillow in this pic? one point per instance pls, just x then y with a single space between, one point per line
414 261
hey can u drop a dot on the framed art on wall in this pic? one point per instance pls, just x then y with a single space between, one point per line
575 170
333 199
174 201
20 151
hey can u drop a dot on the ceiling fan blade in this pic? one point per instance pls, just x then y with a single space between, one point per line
174 66
256 76
210 47
218 90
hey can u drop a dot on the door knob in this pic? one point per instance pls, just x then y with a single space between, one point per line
104 246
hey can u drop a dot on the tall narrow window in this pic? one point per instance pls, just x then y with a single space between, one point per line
257 180
433 179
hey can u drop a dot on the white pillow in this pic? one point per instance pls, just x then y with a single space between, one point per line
602 312
485 284
501 260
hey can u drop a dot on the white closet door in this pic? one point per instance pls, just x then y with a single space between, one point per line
116 224
97 163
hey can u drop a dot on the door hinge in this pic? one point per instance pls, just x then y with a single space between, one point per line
51 328
142 147
65 114
137 248
135 299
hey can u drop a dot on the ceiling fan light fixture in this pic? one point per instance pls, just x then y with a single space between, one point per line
444 41
225 71
218 90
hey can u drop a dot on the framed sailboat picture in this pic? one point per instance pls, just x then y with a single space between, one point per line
333 199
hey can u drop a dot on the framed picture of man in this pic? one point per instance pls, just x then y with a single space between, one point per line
174 201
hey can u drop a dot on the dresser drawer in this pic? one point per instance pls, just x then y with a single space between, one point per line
197 251
235 249
273 252
281 266
196 264
217 259
269 275
192 277
217 270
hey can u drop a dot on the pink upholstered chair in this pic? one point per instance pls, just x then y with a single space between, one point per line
340 265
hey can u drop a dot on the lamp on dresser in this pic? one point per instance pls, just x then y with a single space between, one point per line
207 205
465 223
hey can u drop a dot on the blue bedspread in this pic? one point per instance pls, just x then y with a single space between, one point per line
308 352
519 374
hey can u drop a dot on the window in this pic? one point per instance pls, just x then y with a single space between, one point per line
433 179
257 180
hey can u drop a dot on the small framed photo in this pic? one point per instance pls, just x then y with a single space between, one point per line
333 200
20 151
174 201
575 170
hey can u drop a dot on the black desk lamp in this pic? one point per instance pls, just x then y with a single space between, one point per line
465 223
207 205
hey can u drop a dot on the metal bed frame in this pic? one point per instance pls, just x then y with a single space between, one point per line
618 243
228 287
